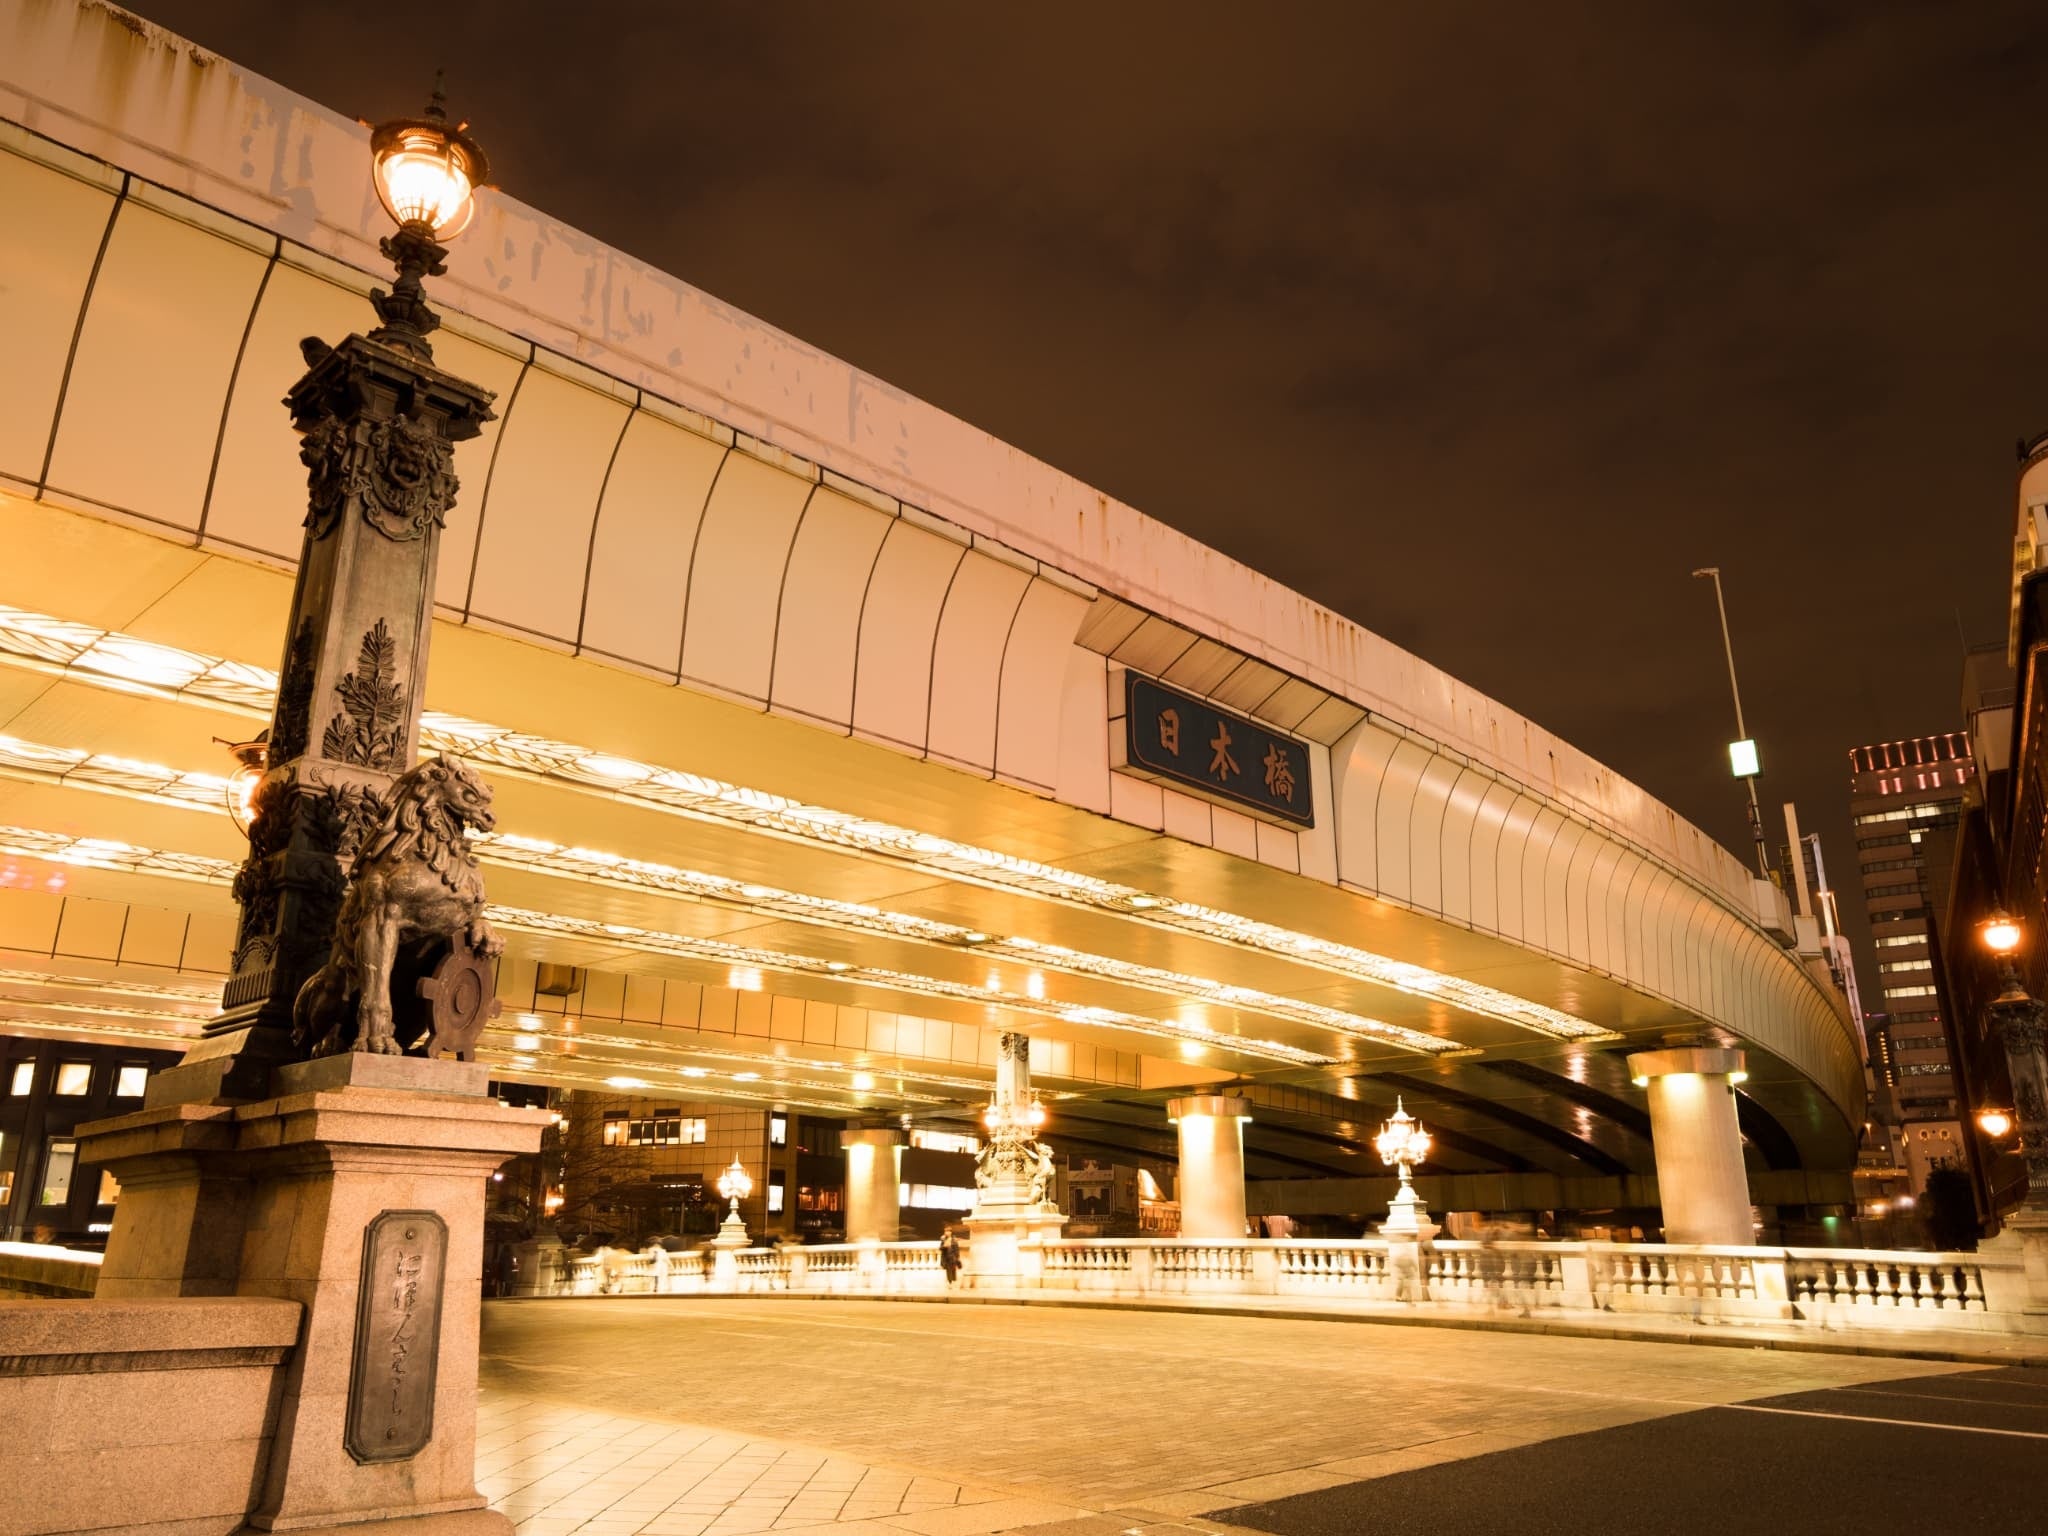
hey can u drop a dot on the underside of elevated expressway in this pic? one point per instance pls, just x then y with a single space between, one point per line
761 912
806 722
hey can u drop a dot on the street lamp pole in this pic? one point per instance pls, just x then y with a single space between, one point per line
378 424
2022 1023
1756 813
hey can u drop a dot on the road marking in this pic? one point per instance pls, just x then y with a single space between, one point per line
2028 1390
1866 1418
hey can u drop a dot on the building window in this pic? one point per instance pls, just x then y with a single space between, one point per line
130 1081
665 1128
944 1141
59 1163
110 1189
778 1136
74 1079
615 1127
935 1197
6 1171
23 1081
778 1185
1924 1069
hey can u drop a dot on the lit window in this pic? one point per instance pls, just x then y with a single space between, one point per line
935 1197
130 1081
58 1166
23 1080
778 1136
6 1171
944 1141
74 1079
110 1188
615 1128
776 1187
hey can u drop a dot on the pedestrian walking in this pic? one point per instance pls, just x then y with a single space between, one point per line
949 1257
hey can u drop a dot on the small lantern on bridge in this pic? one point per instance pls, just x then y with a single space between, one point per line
1402 1143
734 1186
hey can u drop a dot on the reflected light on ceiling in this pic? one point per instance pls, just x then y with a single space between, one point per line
47 643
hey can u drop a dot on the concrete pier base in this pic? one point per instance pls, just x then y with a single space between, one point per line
1701 1179
1211 1191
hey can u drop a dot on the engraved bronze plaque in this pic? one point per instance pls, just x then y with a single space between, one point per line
398 1336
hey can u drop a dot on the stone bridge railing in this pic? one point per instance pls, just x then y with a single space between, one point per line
1828 1287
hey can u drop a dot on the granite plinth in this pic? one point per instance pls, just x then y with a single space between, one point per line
273 1198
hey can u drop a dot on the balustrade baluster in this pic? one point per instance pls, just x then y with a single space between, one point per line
1948 1297
1973 1290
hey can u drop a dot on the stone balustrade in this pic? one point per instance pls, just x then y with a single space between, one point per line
1827 1287
131 1415
40 1269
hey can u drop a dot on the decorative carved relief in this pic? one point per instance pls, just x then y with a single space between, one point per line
411 483
334 472
2022 1031
341 816
256 889
371 728
292 722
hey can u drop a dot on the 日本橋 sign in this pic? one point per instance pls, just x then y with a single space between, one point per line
1171 736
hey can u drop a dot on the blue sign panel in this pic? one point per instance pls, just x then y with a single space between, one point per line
1168 735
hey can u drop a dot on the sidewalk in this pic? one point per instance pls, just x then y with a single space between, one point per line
557 1470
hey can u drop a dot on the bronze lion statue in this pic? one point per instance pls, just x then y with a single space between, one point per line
415 891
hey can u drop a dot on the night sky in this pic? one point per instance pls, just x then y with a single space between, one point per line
1482 324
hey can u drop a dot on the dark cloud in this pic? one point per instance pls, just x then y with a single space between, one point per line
1482 324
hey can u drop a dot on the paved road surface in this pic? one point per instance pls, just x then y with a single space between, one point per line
1936 1454
1174 1416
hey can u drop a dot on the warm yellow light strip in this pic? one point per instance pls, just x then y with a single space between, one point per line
113 659
36 762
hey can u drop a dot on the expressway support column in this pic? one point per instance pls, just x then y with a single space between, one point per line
1211 1163
1701 1181
874 1160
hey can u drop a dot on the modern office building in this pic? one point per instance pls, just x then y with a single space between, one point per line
48 1088
1904 796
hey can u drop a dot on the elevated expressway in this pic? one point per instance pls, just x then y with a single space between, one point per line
801 700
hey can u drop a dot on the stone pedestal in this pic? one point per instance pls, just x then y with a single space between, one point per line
537 1264
357 1191
874 1160
1211 1191
1701 1181
725 1252
1408 1218
1003 1243
2030 1226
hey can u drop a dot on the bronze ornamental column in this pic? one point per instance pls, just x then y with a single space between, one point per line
378 425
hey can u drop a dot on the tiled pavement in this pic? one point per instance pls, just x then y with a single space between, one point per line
882 1419
557 1470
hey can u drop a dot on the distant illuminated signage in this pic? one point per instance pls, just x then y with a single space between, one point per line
1742 759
